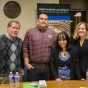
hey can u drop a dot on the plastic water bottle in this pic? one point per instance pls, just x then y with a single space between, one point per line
87 78
87 75
17 79
11 79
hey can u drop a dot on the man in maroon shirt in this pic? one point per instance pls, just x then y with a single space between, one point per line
37 46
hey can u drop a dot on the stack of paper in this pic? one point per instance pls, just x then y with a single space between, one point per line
42 83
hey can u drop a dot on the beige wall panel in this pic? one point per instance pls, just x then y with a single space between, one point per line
27 17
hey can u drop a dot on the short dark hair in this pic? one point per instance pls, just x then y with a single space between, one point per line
38 15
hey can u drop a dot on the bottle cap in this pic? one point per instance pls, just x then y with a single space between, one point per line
16 72
10 72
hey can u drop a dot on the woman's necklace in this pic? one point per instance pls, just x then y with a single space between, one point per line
64 54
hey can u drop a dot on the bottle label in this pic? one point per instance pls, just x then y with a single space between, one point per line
16 78
11 78
87 74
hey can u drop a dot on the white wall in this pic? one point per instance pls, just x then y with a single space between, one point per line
28 15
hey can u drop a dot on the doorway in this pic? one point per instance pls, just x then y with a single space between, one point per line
76 17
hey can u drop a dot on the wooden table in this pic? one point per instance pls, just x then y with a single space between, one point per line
53 84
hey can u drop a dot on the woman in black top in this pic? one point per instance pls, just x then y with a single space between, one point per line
81 43
64 63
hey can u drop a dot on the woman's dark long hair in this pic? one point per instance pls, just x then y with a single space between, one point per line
65 36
